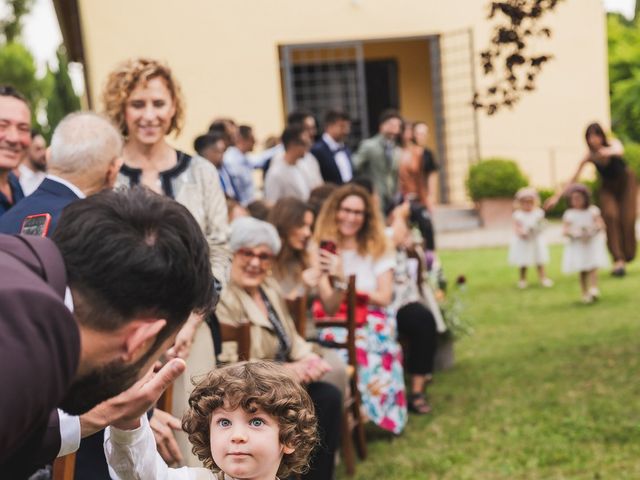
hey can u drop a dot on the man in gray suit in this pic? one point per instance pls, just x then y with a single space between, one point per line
378 157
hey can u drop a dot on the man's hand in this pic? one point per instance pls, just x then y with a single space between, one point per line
124 411
163 424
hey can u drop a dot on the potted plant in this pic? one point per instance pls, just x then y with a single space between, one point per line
492 183
451 301
451 318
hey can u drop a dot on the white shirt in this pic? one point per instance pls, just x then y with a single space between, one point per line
308 166
340 156
285 180
69 185
69 424
29 180
366 269
133 454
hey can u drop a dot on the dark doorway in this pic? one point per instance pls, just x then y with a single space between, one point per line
382 89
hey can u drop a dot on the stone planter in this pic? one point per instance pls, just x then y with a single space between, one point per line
495 212
445 354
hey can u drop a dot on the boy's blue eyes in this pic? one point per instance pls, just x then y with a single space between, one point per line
254 422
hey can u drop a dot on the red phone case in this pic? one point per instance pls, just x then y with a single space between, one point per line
42 231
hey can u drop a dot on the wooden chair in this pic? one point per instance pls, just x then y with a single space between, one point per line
64 468
298 310
241 335
352 423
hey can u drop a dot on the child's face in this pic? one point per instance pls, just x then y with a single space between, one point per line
527 204
576 200
246 445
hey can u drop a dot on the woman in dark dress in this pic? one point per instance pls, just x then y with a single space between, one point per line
618 195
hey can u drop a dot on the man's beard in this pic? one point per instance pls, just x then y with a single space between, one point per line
39 165
101 384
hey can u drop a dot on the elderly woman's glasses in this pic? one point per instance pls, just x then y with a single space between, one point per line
247 255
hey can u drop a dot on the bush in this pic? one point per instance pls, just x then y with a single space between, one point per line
561 206
495 178
632 156
558 210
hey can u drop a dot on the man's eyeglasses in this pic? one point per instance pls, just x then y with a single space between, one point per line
247 255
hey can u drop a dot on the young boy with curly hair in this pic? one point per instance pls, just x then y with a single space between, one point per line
248 420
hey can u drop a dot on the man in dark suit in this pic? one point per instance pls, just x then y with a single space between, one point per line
85 158
15 138
333 156
137 264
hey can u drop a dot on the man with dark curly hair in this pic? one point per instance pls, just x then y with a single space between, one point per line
247 420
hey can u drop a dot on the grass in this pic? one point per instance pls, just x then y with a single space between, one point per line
546 388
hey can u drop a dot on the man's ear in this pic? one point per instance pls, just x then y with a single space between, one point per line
112 171
140 334
287 450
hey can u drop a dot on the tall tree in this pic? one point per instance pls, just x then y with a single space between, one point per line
18 68
62 98
624 76
11 26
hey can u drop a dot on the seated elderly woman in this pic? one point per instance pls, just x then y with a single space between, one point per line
253 296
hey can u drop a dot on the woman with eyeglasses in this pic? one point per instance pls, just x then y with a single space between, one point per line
350 220
253 295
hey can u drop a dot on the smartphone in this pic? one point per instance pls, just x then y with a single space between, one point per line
36 225
329 245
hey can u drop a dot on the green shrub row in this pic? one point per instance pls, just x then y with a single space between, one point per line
502 178
495 177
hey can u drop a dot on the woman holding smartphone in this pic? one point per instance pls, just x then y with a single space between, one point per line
349 219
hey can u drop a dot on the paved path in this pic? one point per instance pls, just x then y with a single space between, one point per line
494 237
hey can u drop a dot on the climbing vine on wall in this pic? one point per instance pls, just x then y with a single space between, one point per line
509 62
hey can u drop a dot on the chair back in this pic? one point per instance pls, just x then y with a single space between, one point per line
298 311
353 433
241 335
64 468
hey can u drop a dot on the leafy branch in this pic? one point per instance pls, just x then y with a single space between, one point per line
508 61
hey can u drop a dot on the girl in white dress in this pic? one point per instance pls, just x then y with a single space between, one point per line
585 250
528 248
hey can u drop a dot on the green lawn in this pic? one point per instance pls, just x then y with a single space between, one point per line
546 388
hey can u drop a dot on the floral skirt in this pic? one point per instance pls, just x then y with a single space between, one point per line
380 373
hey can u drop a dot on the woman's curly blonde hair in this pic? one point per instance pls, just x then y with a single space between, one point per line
371 238
126 77
253 385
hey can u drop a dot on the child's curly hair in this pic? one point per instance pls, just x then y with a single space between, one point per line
253 385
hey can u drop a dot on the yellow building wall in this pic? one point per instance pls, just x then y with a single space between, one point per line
225 55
